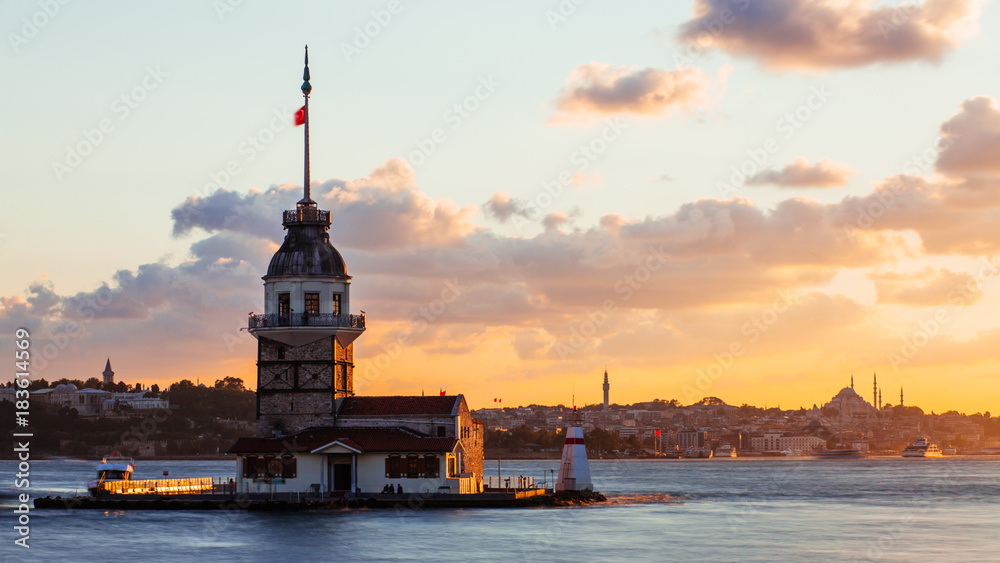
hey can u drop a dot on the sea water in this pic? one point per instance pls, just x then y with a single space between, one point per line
742 509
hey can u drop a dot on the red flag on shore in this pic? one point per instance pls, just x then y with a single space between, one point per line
443 393
657 433
300 116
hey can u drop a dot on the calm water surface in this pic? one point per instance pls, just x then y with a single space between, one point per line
888 509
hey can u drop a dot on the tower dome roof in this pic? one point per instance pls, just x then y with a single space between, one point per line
306 250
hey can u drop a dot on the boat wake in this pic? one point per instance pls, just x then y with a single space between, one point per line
646 498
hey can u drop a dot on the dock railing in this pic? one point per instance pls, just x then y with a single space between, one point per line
511 483
188 485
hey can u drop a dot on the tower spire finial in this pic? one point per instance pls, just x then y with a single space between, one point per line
306 89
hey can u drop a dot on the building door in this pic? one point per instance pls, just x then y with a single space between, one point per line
341 476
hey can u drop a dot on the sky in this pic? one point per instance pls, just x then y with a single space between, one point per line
748 199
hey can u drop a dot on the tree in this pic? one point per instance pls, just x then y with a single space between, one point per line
155 388
92 383
711 401
38 384
230 383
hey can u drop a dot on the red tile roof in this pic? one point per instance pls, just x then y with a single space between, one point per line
396 439
400 406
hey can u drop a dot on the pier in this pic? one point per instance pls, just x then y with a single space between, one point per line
275 502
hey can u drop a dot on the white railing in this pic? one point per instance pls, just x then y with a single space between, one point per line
514 483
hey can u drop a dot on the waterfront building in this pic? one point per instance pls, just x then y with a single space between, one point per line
313 433
780 441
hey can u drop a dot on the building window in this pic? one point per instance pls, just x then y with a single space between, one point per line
414 466
272 466
431 470
336 303
250 467
281 352
441 431
288 466
284 306
392 466
312 303
451 466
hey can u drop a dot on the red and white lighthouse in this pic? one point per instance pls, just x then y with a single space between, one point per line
574 470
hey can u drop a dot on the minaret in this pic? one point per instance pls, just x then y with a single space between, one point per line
852 381
880 399
305 350
874 390
607 387
109 376
900 395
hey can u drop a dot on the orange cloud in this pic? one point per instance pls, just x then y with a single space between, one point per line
931 287
824 34
600 89
800 173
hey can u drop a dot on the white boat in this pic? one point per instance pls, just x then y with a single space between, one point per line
694 453
725 450
113 467
922 448
791 452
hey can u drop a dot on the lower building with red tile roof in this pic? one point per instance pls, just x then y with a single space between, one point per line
413 444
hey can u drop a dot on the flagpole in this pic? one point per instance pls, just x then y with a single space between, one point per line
306 89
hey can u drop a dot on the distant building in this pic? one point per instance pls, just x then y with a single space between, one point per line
97 402
778 441
848 404
690 438
109 376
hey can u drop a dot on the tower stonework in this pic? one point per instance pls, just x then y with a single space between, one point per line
305 337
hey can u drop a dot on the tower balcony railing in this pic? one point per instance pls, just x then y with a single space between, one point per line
306 215
307 319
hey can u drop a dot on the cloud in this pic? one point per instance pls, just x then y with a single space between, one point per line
825 34
800 173
388 198
970 145
502 207
555 220
596 89
930 287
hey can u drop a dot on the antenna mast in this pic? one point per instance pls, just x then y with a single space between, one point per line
306 89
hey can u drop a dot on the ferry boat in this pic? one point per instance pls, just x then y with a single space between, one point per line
791 452
113 467
725 450
922 448
695 453
849 453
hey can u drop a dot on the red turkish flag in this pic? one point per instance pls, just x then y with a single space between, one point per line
657 433
300 116
443 393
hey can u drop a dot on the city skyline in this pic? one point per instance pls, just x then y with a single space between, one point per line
706 219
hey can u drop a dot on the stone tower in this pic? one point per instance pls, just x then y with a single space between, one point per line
109 376
305 350
607 388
